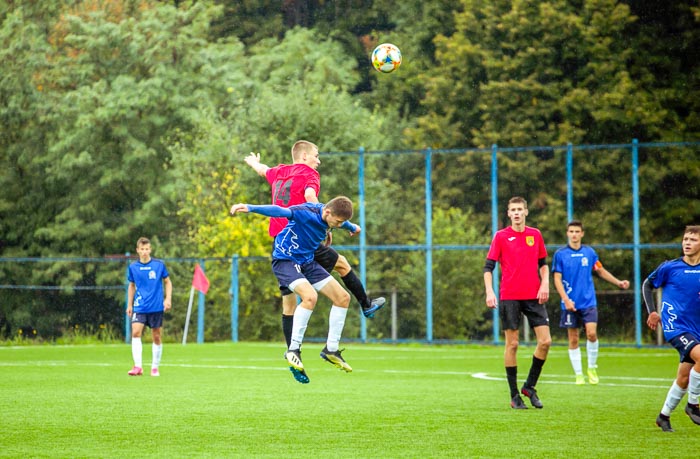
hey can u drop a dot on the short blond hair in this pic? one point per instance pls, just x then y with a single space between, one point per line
301 147
142 241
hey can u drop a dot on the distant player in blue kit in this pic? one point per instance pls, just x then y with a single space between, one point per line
146 304
572 268
679 281
295 268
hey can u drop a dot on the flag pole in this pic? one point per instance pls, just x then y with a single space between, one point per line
189 313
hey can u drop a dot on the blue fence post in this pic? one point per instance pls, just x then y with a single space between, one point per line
200 311
569 181
127 319
428 246
637 258
363 237
234 298
494 228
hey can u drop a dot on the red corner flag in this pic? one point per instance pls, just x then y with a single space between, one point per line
200 281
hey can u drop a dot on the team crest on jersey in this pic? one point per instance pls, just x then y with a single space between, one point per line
151 274
530 240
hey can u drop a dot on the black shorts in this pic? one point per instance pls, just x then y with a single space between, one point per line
327 257
511 311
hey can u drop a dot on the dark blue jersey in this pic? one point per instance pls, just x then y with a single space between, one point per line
148 278
680 297
576 268
301 237
304 232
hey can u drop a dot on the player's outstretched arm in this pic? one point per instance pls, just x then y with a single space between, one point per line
253 160
268 211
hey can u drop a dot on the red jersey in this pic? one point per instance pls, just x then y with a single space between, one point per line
518 255
288 183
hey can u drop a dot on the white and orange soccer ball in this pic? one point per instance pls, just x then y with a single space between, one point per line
386 58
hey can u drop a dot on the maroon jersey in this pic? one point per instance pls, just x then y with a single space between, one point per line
288 183
518 255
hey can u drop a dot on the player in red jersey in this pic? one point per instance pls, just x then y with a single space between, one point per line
297 183
524 289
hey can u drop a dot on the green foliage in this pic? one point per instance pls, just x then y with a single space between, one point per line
122 118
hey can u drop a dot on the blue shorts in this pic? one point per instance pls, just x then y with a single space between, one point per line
578 318
327 257
290 274
510 312
150 319
683 344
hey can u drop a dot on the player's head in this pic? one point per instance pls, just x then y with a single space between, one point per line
517 209
337 211
574 231
691 240
305 152
143 248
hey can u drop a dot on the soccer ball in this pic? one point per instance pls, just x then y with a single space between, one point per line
386 58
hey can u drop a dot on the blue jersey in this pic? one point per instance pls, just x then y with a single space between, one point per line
576 268
148 278
680 297
303 234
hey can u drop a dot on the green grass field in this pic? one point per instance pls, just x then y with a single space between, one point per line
414 401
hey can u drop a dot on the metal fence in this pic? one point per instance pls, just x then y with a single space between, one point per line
428 249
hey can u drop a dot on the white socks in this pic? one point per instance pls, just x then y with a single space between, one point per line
157 353
136 350
336 323
301 321
592 352
693 387
673 398
575 357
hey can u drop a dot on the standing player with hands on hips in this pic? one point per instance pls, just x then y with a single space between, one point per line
146 304
572 269
679 281
524 289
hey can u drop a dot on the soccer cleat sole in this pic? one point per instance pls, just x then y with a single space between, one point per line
299 376
333 360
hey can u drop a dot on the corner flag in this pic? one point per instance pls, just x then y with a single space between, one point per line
200 283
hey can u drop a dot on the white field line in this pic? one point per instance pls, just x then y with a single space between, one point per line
608 380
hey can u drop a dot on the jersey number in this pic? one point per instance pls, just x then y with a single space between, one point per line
282 193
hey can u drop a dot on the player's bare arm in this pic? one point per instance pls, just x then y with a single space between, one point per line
167 302
238 208
569 304
131 291
253 160
608 277
543 292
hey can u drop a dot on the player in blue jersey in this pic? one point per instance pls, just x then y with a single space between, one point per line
148 277
295 268
679 281
572 268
